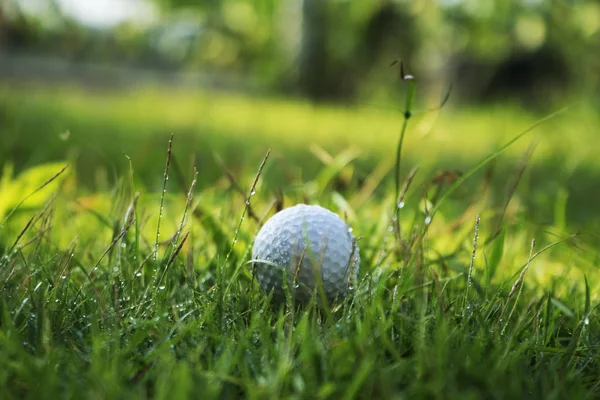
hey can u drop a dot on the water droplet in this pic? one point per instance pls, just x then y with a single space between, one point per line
401 204
162 287
252 193
390 228
138 274
427 220
350 230
586 321
123 245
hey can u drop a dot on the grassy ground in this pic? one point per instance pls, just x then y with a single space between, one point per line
94 130
460 307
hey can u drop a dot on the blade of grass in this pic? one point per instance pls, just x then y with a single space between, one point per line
410 98
470 275
244 211
517 285
491 157
162 196
49 181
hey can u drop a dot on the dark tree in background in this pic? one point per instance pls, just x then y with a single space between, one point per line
16 30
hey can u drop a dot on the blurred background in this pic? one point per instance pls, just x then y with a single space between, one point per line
98 82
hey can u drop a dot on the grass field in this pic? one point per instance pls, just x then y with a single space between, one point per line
490 291
94 130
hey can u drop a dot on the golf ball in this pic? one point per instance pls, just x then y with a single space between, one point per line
311 244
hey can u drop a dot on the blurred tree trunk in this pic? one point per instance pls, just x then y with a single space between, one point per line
312 74
2 27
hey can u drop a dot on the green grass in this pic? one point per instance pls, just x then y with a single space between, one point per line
438 312
103 126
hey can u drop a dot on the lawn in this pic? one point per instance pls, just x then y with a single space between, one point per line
94 130
118 284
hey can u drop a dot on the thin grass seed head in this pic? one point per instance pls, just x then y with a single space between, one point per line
313 245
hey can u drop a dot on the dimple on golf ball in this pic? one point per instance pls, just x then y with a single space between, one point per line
312 245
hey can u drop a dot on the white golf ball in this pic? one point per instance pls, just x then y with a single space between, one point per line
312 245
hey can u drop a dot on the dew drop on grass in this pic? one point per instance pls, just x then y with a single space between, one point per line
162 287
401 205
427 220
138 274
123 245
586 321
252 193
390 228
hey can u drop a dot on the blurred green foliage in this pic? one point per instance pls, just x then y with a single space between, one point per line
536 50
